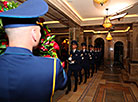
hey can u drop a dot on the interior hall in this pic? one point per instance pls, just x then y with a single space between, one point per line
108 25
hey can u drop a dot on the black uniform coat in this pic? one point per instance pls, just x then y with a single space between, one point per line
91 56
74 63
84 58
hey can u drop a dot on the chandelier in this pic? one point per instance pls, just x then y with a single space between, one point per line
101 2
66 41
107 23
109 37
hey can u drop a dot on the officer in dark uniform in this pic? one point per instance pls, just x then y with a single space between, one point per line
23 76
91 58
74 66
85 61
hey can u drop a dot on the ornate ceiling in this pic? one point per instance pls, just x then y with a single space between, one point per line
87 13
90 9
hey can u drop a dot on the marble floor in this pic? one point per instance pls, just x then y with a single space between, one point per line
105 86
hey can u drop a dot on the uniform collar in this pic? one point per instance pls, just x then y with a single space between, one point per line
17 50
74 50
83 50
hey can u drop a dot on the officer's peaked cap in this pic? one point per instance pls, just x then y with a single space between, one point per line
24 15
95 46
90 45
83 44
74 42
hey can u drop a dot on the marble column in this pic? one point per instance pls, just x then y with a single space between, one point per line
87 42
81 37
134 52
76 33
110 53
135 42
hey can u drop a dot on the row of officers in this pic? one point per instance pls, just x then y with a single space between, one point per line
82 60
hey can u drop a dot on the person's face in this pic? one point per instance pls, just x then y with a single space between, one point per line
74 46
90 48
83 47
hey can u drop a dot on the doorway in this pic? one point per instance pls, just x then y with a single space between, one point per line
118 53
100 43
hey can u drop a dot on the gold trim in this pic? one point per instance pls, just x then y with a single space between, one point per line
98 32
50 22
54 78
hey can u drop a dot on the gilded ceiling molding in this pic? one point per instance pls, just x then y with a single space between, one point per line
60 33
61 5
116 31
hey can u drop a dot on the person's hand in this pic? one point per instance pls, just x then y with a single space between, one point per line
70 58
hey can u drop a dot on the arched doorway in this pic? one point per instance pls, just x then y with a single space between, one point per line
118 53
100 43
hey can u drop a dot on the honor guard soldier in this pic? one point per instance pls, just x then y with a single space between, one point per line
85 61
91 58
74 66
23 76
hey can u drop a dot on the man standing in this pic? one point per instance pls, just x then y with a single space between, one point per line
85 61
23 76
91 58
74 66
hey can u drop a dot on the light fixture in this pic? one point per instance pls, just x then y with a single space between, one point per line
64 41
107 23
109 37
101 2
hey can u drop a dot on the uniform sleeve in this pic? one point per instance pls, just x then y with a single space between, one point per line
79 57
61 77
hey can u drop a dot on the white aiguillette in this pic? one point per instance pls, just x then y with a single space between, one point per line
70 58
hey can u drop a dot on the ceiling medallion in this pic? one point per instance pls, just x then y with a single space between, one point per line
109 37
101 2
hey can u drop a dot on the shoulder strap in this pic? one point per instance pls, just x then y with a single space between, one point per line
54 78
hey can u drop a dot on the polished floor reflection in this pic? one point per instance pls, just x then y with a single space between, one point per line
105 86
